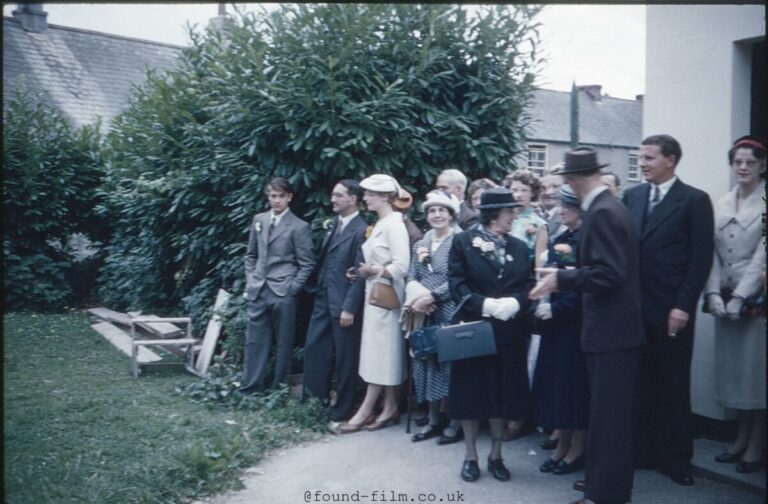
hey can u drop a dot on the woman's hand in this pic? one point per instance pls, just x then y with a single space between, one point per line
544 311
366 270
716 305
424 304
733 308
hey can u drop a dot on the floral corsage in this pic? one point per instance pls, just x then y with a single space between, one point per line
257 226
565 254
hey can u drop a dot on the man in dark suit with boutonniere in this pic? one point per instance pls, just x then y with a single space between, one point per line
607 276
278 261
334 328
676 227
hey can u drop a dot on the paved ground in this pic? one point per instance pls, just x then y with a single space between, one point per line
385 466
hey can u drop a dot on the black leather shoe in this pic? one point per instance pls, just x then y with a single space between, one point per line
433 431
728 458
548 444
579 485
498 470
470 471
444 440
747 467
564 467
548 465
680 476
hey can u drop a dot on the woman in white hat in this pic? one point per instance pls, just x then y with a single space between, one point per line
386 258
429 277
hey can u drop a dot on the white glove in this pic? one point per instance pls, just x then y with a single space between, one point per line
508 308
490 305
733 308
716 306
544 311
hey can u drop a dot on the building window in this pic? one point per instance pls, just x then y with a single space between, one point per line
537 158
633 172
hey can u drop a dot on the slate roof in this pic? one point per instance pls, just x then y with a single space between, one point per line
84 73
605 122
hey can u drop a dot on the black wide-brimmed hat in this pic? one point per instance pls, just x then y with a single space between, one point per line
581 159
497 197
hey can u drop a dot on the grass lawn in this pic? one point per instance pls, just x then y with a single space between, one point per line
80 428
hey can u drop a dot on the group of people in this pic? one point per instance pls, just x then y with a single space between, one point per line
601 286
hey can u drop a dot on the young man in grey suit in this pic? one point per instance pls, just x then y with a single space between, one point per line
676 227
277 263
335 323
608 276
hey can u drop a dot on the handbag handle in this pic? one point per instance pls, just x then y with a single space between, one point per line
458 308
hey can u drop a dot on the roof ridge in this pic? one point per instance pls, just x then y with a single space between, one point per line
103 34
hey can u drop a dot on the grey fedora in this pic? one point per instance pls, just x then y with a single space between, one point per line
581 159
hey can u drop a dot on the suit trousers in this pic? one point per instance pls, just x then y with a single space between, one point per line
663 422
324 337
269 317
609 466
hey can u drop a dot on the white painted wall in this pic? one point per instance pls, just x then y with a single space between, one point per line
697 89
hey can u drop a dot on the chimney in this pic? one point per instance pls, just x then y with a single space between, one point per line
223 23
639 97
32 17
593 91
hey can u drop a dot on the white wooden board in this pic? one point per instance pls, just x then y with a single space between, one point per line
162 329
110 315
122 341
212 333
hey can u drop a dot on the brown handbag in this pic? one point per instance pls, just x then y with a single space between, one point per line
383 295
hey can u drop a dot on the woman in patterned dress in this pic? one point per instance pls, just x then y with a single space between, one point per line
429 267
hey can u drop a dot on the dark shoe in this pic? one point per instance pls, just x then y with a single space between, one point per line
549 444
498 470
433 431
747 467
580 485
444 440
394 419
548 465
470 471
564 467
349 428
680 476
421 422
728 458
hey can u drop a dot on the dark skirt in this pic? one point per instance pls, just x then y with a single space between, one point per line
560 383
494 386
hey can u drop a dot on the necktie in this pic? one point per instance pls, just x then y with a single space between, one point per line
654 201
339 229
272 221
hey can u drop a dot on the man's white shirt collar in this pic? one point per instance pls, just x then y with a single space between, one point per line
343 221
277 218
590 197
663 188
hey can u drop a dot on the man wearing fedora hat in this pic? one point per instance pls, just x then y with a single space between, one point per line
607 275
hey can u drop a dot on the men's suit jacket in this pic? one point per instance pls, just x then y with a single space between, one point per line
467 217
607 275
336 256
676 248
282 259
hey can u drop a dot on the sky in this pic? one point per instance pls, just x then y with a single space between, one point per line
588 44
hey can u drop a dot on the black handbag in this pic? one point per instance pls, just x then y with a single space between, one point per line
423 342
753 306
464 340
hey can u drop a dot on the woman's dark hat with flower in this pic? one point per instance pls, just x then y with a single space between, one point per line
497 197
581 159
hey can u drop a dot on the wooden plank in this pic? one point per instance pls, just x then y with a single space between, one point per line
212 333
122 341
162 329
110 315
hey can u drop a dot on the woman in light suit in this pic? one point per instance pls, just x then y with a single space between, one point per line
385 257
739 341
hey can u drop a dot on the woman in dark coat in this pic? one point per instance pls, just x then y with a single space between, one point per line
560 384
491 269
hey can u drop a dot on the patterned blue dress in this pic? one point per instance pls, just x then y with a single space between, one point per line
430 377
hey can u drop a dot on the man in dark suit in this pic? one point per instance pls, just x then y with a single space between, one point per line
278 261
676 229
453 181
334 326
607 275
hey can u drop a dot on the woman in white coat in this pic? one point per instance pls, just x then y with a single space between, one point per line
386 257
736 275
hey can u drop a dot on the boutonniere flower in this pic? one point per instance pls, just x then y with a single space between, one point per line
531 230
489 250
327 223
368 232
565 253
257 226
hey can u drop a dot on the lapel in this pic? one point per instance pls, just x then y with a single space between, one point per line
282 226
670 204
263 220
346 234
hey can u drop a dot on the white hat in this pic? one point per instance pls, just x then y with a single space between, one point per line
442 198
380 183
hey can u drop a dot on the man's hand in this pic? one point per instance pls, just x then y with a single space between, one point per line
676 322
546 285
351 275
346 319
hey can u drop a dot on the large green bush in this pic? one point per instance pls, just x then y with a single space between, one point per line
314 93
50 174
